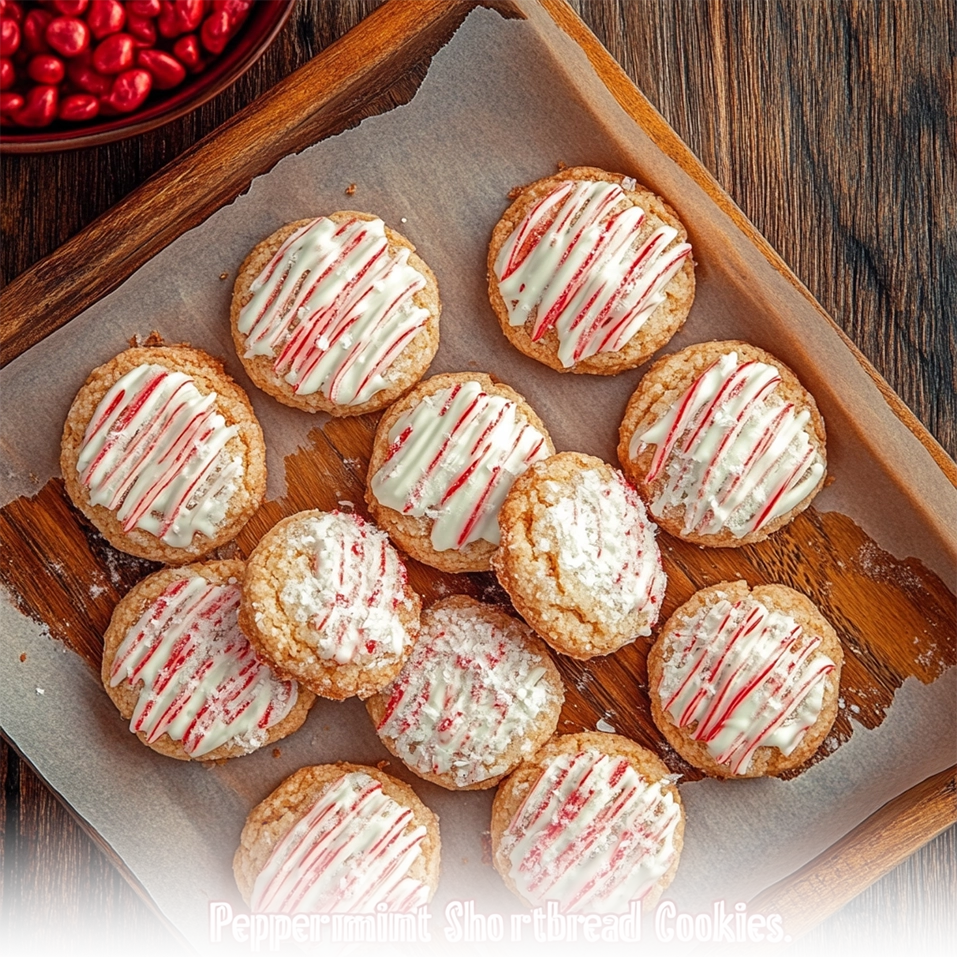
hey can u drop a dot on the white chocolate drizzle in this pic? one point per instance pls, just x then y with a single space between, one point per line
351 852
734 455
453 458
575 264
469 690
347 581
592 834
335 308
602 535
200 680
746 677
155 454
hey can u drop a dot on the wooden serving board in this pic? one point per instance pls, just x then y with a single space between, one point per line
869 595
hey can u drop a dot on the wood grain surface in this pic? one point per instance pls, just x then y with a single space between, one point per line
827 124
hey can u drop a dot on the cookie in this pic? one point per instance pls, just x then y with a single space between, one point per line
443 461
163 454
335 314
479 694
723 443
180 670
593 822
589 272
338 838
326 601
744 683
578 556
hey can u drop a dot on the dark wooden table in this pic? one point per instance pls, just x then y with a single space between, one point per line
827 122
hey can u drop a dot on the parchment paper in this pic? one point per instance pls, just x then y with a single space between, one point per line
503 102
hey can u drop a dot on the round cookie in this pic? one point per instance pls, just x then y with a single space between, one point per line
578 556
723 443
479 694
603 289
593 821
745 683
338 838
163 454
178 667
335 314
326 601
443 461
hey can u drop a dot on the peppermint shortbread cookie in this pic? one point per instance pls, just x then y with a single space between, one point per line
335 314
326 600
723 443
589 272
745 683
180 670
338 838
163 454
479 694
593 821
443 461
578 556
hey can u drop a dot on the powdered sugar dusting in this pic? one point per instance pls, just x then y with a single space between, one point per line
603 536
470 689
348 582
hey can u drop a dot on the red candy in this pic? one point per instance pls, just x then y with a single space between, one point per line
189 13
114 54
219 27
46 68
167 70
106 17
78 107
10 103
68 36
186 50
9 36
34 31
142 30
84 77
130 88
75 60
71 8
144 8
40 107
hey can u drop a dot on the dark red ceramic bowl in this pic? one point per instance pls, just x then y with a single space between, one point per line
260 29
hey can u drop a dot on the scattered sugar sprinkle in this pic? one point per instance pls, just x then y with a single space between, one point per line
40 691
856 709
96 590
345 503
403 220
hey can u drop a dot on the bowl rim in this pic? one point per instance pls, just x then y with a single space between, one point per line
122 128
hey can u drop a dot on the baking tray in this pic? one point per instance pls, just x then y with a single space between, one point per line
352 80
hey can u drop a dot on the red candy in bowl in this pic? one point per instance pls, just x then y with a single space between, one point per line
85 72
